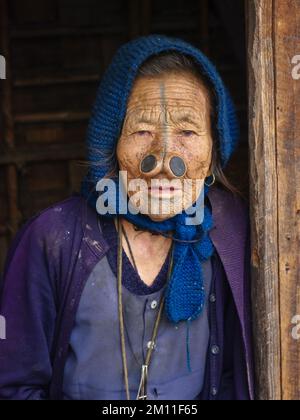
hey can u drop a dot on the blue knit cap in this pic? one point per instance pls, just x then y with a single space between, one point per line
185 292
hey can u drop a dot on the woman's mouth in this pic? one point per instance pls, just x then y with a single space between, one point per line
163 191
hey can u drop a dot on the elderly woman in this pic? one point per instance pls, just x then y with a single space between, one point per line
138 293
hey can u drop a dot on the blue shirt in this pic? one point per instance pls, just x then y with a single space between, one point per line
95 339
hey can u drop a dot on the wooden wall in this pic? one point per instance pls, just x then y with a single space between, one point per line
56 52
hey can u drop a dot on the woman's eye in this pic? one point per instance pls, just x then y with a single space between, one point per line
187 133
143 133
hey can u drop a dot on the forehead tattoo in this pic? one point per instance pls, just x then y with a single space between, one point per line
161 109
164 123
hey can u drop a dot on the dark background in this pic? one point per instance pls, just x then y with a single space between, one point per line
56 52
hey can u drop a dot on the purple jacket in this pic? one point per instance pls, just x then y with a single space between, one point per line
47 268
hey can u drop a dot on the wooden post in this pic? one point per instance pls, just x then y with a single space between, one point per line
287 46
204 26
139 18
274 115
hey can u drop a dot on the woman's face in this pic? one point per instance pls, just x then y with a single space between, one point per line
166 143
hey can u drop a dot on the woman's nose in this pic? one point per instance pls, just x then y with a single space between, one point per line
173 166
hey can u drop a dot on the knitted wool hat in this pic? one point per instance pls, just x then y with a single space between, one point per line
185 292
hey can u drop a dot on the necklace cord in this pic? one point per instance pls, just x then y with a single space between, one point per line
165 235
130 249
120 308
121 315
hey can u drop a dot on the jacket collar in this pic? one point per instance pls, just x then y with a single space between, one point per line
229 236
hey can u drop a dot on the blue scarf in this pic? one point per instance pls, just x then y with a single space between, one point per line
185 294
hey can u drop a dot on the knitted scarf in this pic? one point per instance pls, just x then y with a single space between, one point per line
185 295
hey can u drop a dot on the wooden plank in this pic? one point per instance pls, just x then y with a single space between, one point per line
3 230
263 194
47 153
57 80
6 108
204 26
3 252
146 14
13 209
287 46
133 19
6 99
65 32
76 172
43 117
31 135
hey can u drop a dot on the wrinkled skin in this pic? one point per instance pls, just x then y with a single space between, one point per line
167 116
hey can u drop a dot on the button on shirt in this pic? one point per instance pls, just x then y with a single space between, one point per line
154 304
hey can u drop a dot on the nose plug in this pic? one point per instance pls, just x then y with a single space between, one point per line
148 164
176 164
